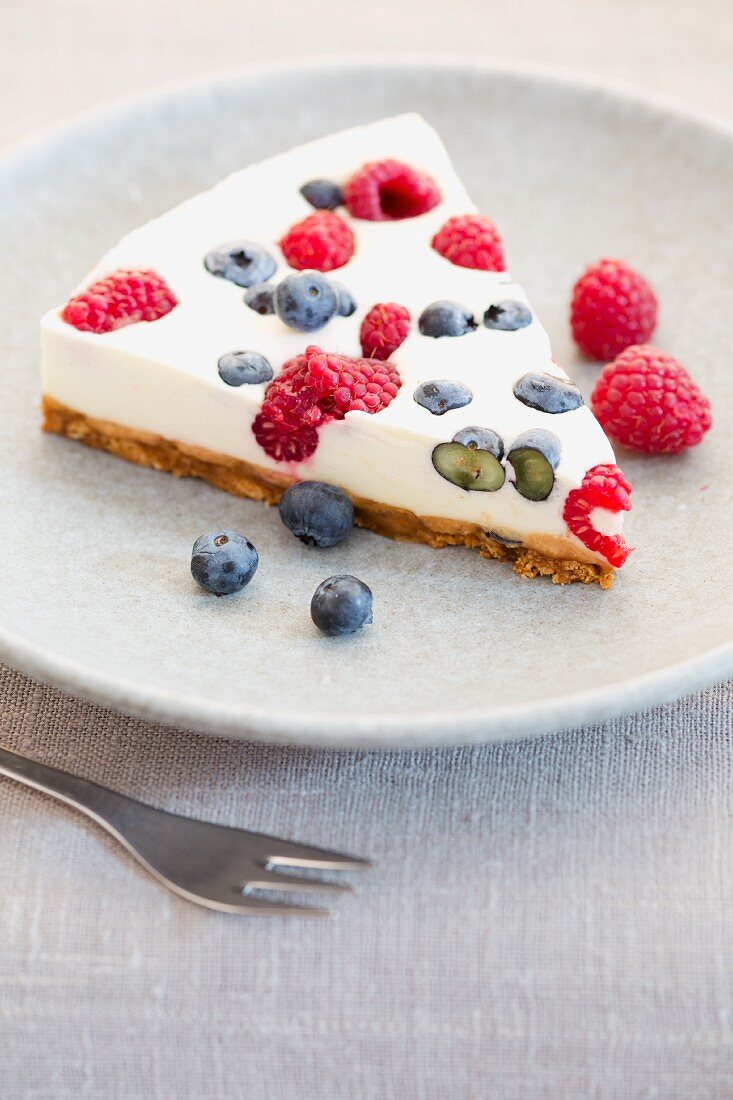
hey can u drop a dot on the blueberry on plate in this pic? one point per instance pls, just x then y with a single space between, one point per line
507 316
261 298
446 319
534 456
341 605
244 368
547 394
322 194
318 514
223 562
242 262
441 395
306 301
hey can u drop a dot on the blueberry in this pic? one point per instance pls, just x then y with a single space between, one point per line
468 467
316 513
346 302
446 319
546 393
244 368
223 562
306 301
507 316
481 439
503 539
242 262
534 456
441 395
341 605
261 298
323 194
472 460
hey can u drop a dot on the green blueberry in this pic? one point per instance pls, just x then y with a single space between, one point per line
534 456
468 467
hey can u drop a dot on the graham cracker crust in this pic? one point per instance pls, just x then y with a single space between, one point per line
542 556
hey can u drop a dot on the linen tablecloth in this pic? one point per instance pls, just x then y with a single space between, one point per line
550 918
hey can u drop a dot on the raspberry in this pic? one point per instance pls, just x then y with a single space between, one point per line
285 426
384 328
322 241
387 190
121 298
313 389
470 240
350 385
612 308
602 487
647 400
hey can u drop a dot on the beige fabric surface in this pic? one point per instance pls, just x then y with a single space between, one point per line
546 919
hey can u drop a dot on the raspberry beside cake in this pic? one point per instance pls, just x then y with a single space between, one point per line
356 326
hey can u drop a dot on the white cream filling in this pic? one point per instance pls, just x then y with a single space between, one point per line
162 377
605 522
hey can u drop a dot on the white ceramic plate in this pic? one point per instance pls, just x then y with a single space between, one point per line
95 590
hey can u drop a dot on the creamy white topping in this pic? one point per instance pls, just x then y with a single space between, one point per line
162 377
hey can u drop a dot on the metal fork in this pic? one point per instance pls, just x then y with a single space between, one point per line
209 864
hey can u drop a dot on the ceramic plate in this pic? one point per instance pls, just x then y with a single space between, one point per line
95 590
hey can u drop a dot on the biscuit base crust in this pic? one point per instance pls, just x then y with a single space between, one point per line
540 555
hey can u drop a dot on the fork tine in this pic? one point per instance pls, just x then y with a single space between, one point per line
273 880
277 908
285 853
244 904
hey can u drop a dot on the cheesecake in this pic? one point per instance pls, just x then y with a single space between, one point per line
342 313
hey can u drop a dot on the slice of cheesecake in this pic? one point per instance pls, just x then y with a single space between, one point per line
341 313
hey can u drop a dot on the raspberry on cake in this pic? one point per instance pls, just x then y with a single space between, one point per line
122 298
312 390
470 240
354 385
421 384
388 190
285 426
321 241
384 328
603 487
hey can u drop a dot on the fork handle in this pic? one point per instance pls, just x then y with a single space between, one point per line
103 805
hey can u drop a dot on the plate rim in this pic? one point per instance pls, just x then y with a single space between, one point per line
385 732
388 731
